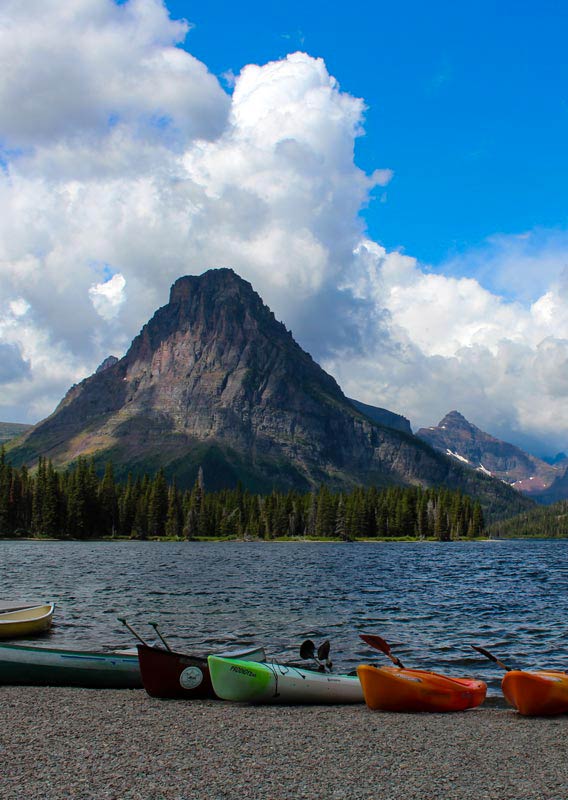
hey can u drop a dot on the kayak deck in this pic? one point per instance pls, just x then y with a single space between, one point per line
250 682
397 689
540 693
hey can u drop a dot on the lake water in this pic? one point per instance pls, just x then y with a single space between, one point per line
429 600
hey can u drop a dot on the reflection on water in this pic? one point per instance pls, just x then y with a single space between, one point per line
429 600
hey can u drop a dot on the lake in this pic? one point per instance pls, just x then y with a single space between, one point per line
429 600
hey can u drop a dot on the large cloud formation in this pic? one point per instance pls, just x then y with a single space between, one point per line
126 165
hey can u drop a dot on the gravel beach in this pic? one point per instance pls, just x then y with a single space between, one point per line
84 744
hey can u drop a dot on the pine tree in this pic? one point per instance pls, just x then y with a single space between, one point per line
173 516
108 502
158 505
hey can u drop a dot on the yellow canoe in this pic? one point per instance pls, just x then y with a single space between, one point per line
26 622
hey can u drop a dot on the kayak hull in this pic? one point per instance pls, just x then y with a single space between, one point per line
39 666
249 682
542 693
26 621
168 674
396 689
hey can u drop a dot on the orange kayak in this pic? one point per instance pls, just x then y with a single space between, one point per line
396 689
540 693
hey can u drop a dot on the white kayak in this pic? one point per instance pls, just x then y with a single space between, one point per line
252 682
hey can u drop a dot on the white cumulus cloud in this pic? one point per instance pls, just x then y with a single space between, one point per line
108 296
120 149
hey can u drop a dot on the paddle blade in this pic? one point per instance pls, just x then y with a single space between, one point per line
307 649
323 651
377 642
491 657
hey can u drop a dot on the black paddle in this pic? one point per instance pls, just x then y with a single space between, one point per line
491 657
155 626
379 644
131 629
323 654
308 651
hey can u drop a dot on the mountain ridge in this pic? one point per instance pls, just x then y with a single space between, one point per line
457 437
214 380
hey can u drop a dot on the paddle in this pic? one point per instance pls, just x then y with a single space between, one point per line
491 657
126 625
323 654
155 626
308 651
379 644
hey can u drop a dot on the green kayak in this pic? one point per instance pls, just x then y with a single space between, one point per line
252 682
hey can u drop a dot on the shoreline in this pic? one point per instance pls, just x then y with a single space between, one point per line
124 745
287 540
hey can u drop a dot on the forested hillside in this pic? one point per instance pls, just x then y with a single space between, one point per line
543 521
77 503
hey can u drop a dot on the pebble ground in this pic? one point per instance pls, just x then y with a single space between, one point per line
81 744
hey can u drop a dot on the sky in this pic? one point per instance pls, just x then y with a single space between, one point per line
390 179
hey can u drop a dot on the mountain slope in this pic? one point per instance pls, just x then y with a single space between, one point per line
462 440
11 430
213 380
382 416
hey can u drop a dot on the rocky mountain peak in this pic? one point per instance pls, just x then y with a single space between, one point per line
457 437
453 419
213 380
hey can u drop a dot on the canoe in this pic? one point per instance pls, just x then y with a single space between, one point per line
26 622
42 666
396 689
12 606
249 682
542 693
172 674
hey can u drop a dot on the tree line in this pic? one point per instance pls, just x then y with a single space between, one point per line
542 521
80 504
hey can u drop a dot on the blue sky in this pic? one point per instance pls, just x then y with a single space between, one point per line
467 104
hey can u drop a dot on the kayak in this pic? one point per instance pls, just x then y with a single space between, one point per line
396 689
250 682
541 693
168 673
42 666
26 621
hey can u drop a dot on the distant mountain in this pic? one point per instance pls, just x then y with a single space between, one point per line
10 430
559 460
557 490
214 380
381 416
462 440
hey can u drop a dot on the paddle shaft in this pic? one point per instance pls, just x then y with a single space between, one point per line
491 657
132 631
155 626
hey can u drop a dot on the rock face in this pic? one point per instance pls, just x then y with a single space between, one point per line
109 361
388 419
213 380
458 438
